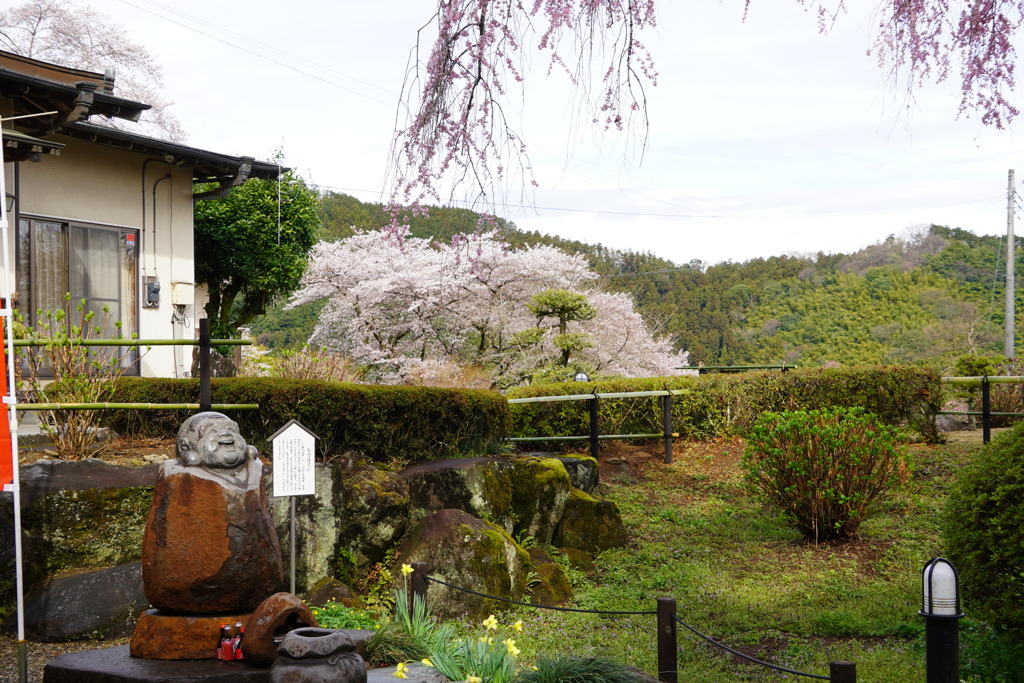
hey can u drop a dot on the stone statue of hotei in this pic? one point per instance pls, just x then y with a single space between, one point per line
212 440
210 545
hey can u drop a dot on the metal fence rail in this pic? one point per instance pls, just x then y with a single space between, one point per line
985 382
594 437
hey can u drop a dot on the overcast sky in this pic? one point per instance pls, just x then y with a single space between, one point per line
766 138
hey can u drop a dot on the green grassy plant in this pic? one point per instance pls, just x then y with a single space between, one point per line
337 615
567 669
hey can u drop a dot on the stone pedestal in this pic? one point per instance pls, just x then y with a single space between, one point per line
116 665
159 636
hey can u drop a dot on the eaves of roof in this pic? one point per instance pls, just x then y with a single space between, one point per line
18 146
207 166
14 83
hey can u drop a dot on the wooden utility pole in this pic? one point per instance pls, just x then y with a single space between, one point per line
1011 257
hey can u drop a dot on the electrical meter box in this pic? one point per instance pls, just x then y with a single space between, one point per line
183 293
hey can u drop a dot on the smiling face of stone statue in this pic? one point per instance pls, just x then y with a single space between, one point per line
212 440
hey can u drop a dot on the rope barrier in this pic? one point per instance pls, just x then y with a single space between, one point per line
424 579
530 604
755 660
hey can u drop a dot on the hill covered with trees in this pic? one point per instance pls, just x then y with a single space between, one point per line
928 298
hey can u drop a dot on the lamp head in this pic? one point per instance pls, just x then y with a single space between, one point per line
940 589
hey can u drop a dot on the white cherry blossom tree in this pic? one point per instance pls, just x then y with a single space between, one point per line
396 302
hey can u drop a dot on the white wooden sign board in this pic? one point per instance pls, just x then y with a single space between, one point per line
294 461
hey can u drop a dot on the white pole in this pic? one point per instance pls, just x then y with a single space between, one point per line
12 402
1009 347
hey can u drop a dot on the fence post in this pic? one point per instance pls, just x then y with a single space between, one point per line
205 394
986 410
842 671
593 427
666 422
667 664
418 583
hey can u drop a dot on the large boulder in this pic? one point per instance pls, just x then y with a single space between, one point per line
83 515
102 603
590 524
551 585
210 545
481 487
317 528
373 515
584 472
540 489
470 553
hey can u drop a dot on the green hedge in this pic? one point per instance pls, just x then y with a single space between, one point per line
381 422
715 405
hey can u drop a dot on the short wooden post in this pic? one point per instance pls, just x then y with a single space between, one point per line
418 583
593 427
205 393
666 423
986 410
667 663
842 671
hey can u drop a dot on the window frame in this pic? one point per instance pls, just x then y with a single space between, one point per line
129 309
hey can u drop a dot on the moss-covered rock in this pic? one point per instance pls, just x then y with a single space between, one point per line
481 487
373 514
467 552
316 527
540 489
550 585
583 470
86 529
590 524
578 559
331 590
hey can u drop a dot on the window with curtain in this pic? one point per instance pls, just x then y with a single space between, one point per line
94 263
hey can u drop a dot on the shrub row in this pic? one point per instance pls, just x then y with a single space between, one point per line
715 405
413 423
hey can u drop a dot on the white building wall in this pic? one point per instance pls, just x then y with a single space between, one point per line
119 188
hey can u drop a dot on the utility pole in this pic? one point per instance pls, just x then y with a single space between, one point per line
1011 257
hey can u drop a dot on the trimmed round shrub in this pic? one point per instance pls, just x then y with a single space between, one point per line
983 530
825 469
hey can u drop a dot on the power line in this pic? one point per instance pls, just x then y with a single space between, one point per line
358 88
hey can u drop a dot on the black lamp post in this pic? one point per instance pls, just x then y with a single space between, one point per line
582 377
940 607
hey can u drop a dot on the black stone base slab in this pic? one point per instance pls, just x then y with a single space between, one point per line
116 665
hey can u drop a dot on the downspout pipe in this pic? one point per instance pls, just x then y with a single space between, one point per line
228 184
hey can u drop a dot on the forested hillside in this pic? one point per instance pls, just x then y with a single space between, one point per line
927 298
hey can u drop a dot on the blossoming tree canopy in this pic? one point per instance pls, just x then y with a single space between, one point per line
398 303
458 92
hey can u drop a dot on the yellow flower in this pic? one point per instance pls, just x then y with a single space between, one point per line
474 679
511 645
401 669
518 625
406 569
491 623
426 661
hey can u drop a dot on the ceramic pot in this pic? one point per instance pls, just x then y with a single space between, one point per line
318 655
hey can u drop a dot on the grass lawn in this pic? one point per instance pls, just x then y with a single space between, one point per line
740 574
